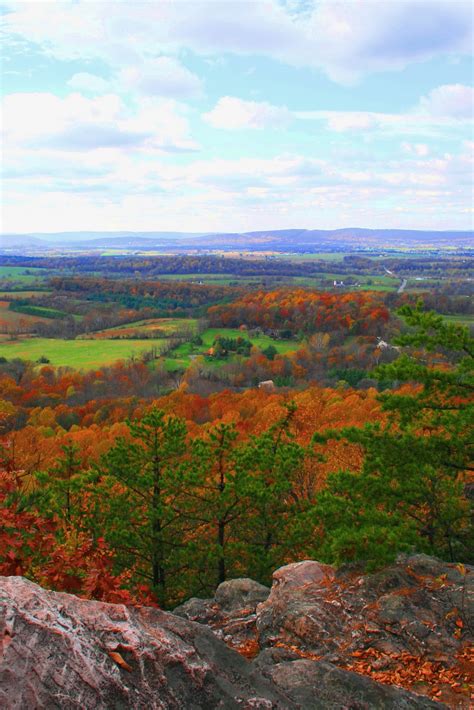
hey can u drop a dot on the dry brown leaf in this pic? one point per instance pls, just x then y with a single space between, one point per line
120 661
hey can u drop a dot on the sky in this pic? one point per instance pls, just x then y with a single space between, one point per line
225 115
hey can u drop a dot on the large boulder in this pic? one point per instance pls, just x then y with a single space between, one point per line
419 606
411 622
240 594
298 608
60 652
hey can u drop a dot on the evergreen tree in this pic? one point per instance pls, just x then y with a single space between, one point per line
216 500
140 481
275 513
61 492
411 491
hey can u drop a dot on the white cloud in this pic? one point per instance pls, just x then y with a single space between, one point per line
415 122
419 149
351 39
451 100
448 106
88 83
164 76
77 123
344 39
126 190
232 113
341 121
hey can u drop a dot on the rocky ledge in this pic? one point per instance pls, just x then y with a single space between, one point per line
409 625
307 636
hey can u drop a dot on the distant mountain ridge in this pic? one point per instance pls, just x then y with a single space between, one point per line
261 240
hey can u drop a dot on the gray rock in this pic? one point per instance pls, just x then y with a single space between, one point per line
60 652
231 614
239 594
406 608
425 565
200 610
317 685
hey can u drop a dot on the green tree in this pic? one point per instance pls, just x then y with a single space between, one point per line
216 500
139 487
276 511
61 490
270 351
411 491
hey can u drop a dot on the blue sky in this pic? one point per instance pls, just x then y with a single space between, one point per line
224 115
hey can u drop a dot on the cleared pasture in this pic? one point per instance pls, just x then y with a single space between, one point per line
182 356
79 354
168 326
21 273
19 294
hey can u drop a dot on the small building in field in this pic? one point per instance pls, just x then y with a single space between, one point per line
267 385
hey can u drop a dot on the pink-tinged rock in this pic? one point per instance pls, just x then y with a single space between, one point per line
60 652
296 609
406 608
306 576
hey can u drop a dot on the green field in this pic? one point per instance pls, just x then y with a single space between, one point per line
182 356
220 279
21 273
80 354
377 283
319 256
12 319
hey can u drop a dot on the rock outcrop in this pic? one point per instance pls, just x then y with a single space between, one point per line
60 652
317 685
307 636
410 623
231 613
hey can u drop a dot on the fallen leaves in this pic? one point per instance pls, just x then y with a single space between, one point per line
433 678
249 649
120 661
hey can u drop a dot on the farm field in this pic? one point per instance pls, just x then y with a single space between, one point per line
21 273
80 354
10 319
169 326
222 279
318 256
377 283
464 319
183 355
12 295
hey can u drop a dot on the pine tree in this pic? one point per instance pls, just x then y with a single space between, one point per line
61 488
275 511
216 500
139 485
411 491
